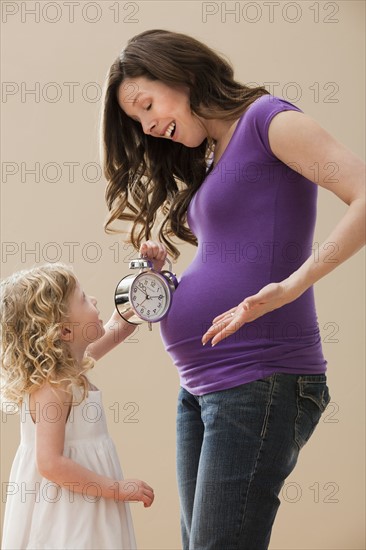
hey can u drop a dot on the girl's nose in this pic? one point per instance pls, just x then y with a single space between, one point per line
93 300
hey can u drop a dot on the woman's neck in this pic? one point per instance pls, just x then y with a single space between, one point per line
219 129
224 133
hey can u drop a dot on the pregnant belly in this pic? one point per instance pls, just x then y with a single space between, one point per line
202 294
283 338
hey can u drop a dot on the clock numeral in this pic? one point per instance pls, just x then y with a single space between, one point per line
153 284
154 310
160 296
148 312
135 289
133 298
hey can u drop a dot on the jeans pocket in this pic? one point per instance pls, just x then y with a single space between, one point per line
312 400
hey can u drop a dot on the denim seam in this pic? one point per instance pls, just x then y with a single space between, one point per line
264 429
321 404
268 407
298 385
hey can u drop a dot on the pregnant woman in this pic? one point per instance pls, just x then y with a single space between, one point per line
228 168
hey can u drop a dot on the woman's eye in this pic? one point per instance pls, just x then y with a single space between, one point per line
148 107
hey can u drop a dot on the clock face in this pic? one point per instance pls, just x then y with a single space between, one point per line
150 296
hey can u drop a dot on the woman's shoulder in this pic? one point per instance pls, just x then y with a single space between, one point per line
267 105
254 123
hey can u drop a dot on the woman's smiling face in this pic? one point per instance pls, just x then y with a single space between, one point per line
163 111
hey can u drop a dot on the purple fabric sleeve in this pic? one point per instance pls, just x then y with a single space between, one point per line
263 115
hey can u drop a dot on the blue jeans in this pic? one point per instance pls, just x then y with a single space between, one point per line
235 449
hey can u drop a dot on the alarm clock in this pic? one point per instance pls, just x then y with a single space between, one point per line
145 296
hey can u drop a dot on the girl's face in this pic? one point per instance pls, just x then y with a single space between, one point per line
83 325
163 112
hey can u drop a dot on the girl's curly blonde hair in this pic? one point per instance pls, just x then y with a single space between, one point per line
33 306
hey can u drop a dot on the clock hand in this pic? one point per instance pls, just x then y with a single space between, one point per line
147 298
156 296
144 292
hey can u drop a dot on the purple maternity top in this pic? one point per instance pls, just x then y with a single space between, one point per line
254 220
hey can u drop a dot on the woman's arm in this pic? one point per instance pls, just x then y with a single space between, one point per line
51 464
298 141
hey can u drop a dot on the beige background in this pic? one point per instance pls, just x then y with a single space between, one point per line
318 62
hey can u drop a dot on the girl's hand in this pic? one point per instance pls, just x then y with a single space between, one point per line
156 252
270 297
132 490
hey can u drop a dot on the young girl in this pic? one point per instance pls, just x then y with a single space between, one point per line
252 396
66 488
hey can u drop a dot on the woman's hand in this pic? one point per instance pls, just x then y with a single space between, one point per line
156 252
270 297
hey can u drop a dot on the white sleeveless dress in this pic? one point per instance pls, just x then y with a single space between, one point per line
40 514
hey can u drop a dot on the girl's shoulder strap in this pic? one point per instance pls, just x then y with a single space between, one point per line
27 414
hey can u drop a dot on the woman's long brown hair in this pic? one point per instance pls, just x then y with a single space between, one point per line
148 176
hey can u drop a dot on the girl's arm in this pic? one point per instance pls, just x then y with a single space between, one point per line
117 329
51 464
298 141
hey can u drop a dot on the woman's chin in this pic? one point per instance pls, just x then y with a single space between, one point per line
193 142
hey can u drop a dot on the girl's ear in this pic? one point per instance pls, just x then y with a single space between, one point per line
66 332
